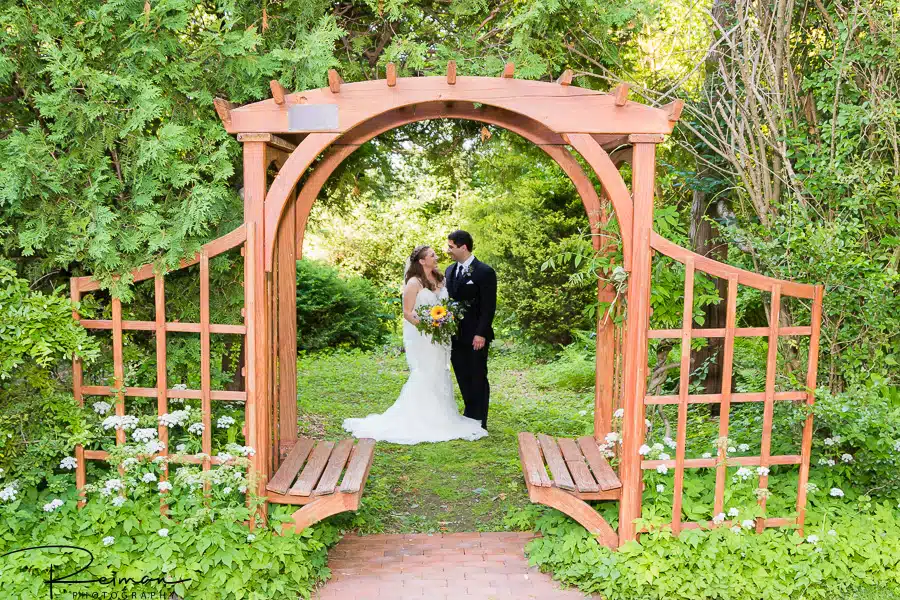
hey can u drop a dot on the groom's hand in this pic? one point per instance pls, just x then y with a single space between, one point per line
478 342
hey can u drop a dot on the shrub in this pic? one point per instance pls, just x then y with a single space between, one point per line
201 541
851 548
337 312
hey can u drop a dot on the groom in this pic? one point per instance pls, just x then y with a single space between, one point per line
474 283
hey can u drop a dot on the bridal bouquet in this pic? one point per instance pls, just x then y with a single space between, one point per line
440 321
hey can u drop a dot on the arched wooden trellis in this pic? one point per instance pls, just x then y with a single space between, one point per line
294 130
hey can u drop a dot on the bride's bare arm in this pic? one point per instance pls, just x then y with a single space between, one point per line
409 300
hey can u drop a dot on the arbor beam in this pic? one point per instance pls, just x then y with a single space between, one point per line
566 77
451 72
508 71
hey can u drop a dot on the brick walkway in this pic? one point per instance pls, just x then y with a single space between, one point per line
466 566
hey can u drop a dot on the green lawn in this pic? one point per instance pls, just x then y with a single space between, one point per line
450 486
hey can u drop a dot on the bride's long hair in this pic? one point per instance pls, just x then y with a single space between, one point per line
415 269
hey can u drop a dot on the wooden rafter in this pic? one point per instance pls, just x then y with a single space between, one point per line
223 109
334 81
451 72
277 91
508 71
391 74
673 109
621 94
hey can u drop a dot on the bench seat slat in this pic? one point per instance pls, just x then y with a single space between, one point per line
334 468
285 475
358 466
532 463
558 469
313 470
584 481
606 477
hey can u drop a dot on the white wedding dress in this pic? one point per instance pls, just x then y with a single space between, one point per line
426 410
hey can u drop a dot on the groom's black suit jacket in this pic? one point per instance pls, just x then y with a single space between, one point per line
478 290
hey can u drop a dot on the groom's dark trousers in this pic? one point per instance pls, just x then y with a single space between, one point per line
477 289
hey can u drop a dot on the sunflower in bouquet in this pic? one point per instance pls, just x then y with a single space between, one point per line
440 321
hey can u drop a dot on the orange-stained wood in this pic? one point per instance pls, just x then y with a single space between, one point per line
290 467
560 108
223 109
621 94
311 473
613 186
769 407
509 70
727 375
278 197
277 91
286 326
77 380
717 269
451 72
566 77
633 428
576 508
162 406
255 304
558 470
205 358
577 466
391 74
735 398
532 463
684 380
673 109
217 246
118 365
720 332
336 463
358 466
603 473
811 372
334 82
736 461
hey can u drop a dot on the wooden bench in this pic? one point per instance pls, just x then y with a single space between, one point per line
563 473
310 473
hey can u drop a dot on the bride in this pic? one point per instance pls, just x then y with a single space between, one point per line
426 410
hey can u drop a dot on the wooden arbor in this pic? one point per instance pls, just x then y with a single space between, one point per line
308 134
322 127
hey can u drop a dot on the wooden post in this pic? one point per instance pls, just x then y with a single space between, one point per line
765 449
205 357
605 348
635 367
162 405
811 372
286 325
684 377
77 380
256 305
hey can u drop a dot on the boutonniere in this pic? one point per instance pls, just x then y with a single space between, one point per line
467 271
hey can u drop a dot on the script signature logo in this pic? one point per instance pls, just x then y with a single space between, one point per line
68 578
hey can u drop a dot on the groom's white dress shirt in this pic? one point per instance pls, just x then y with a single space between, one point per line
461 266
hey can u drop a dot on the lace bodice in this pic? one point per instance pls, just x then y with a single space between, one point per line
426 297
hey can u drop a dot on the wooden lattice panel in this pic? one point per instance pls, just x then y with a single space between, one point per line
242 236
778 289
